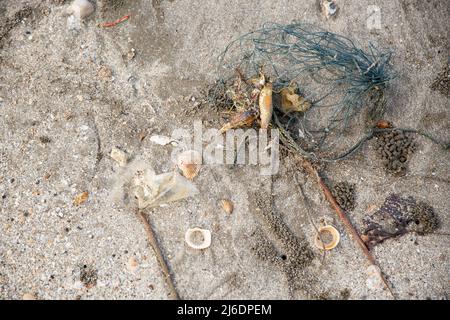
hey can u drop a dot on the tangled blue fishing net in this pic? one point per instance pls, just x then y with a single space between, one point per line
344 82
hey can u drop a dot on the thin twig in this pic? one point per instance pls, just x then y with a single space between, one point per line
159 256
344 219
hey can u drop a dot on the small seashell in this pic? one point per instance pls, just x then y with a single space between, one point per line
189 163
197 238
259 81
292 102
239 120
29 296
329 8
227 205
119 156
265 105
81 9
80 198
330 237
161 140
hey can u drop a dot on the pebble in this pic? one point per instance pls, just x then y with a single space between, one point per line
81 9
132 264
105 73
373 280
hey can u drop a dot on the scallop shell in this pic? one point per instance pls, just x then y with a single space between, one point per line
329 245
227 205
206 234
265 105
189 163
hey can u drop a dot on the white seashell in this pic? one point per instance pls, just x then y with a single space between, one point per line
81 9
119 156
374 280
204 243
189 162
327 244
161 140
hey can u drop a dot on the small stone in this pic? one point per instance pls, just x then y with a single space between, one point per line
132 264
81 198
374 281
81 9
105 73
131 54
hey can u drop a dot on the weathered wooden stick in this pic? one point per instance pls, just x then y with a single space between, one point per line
173 294
345 220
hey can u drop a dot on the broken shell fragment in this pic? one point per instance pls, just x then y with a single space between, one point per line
80 198
383 124
239 120
327 238
259 81
189 162
265 105
329 8
227 205
374 280
29 296
292 102
161 140
119 156
197 238
81 9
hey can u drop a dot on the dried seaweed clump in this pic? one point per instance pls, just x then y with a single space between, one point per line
442 81
395 148
398 216
345 195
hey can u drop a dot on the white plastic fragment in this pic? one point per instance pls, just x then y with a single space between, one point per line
80 9
197 238
119 156
152 190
